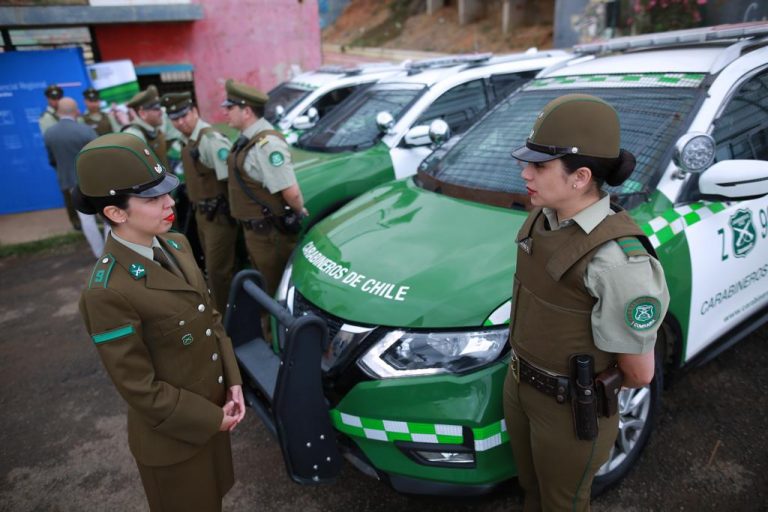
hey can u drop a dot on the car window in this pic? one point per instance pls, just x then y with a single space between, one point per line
459 107
352 126
285 94
741 132
503 85
651 120
330 100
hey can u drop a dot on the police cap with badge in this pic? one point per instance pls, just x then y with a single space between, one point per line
54 92
147 99
177 104
241 95
573 124
91 94
119 164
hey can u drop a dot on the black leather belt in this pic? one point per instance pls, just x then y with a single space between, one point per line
261 226
556 386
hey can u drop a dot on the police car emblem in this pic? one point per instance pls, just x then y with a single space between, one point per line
743 231
642 313
137 270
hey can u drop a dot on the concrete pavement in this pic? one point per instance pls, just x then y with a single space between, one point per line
18 228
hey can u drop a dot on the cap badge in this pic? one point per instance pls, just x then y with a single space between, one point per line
146 151
526 245
137 270
159 169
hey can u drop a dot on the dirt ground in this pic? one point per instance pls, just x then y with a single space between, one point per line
375 23
63 444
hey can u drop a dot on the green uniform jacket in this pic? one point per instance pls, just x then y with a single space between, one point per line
163 345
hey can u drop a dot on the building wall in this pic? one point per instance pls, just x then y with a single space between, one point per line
254 41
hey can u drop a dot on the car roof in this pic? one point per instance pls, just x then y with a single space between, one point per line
328 74
429 75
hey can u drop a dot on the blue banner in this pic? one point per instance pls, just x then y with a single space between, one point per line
28 181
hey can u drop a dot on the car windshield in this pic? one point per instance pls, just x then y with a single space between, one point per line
285 94
352 125
652 118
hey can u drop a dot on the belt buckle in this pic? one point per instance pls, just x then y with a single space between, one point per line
514 366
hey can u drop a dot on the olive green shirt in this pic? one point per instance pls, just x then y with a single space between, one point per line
616 281
135 131
269 161
213 148
143 250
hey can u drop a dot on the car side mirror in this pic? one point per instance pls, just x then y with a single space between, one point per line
313 114
279 112
735 179
439 132
303 123
385 122
418 136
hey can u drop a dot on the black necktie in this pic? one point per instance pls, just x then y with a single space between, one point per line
239 143
165 262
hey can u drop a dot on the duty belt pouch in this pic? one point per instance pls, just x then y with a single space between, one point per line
608 385
583 400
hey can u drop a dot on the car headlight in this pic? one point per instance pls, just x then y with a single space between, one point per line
409 354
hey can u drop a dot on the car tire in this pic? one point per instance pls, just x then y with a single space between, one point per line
638 409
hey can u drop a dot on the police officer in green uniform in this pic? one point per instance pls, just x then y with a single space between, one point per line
588 300
94 117
204 156
149 121
151 319
53 93
263 193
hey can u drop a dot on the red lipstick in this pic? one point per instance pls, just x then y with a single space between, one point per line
170 218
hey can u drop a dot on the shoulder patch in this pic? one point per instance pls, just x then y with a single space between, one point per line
632 246
642 313
222 154
276 158
101 272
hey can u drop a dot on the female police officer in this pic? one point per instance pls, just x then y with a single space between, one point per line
159 337
588 297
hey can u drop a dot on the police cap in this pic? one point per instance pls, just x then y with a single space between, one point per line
177 104
91 94
241 94
122 163
574 124
53 92
146 99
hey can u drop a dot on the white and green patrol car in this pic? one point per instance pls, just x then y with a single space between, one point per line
384 131
297 104
414 278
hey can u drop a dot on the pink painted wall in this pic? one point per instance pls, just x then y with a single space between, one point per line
254 41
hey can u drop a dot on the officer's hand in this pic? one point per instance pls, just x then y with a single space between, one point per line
304 212
235 395
228 420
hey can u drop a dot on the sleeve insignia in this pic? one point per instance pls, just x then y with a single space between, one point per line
642 313
276 158
222 154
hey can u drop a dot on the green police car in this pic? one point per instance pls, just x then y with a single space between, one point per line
383 131
413 279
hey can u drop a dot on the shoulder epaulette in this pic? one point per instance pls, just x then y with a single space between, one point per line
631 246
101 271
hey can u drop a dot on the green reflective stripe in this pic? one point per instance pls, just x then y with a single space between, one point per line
666 226
486 437
120 332
628 80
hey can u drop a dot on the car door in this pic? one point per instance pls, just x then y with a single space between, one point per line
728 240
459 106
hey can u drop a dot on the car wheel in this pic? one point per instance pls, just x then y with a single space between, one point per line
638 409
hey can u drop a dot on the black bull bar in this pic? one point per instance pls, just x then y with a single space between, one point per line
285 390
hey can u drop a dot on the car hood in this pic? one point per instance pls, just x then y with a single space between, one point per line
304 159
403 256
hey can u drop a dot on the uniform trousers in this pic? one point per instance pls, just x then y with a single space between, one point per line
218 238
197 484
269 252
555 469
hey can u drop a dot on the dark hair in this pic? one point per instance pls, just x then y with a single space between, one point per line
258 110
613 171
93 205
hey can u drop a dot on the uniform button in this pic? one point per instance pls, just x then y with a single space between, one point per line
221 379
182 322
214 357
208 332
201 308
